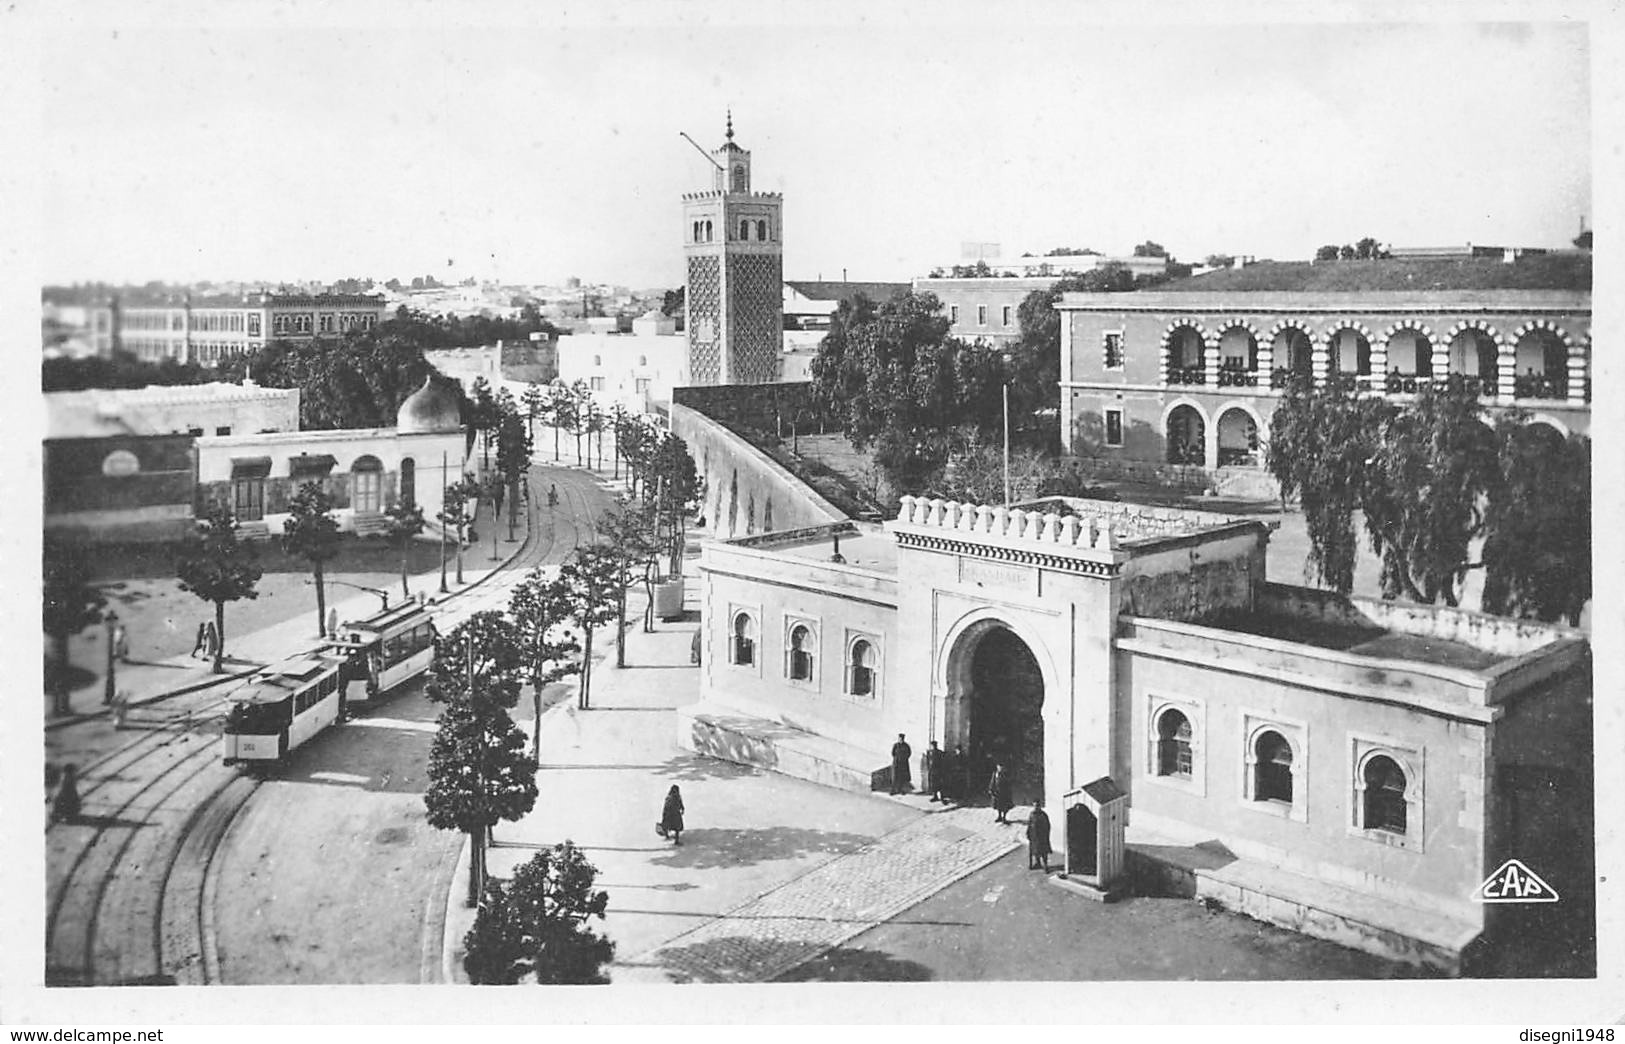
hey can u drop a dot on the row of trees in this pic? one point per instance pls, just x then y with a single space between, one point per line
1429 480
1367 249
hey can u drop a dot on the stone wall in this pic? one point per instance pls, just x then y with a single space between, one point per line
765 407
746 491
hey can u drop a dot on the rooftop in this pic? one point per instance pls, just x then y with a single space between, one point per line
1554 271
866 547
833 290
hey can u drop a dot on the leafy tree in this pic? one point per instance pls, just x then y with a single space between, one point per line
71 603
1431 466
580 398
975 471
567 413
1069 251
1150 248
454 514
589 580
479 774
487 649
1368 249
1036 360
1537 544
535 403
310 532
484 417
629 529
1583 240
1345 252
1327 252
674 301
538 924
1320 440
1219 260
677 490
493 489
513 459
403 521
539 608
121 369
219 568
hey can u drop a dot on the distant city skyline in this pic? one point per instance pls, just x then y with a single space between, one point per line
212 149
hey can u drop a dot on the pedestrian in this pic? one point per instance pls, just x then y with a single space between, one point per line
1038 838
900 753
121 643
65 809
202 641
121 707
694 649
332 623
211 641
999 791
932 771
959 774
553 495
671 816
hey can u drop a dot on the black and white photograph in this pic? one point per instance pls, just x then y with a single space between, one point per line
863 513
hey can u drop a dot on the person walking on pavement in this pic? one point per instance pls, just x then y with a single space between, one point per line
332 623
1038 838
931 772
121 643
65 809
211 640
202 641
999 790
671 815
900 753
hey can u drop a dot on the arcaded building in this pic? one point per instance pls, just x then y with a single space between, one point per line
1347 767
1188 375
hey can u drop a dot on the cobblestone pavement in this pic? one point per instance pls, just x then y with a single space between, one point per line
848 895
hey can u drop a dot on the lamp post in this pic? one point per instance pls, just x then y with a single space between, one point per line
1006 390
112 656
443 588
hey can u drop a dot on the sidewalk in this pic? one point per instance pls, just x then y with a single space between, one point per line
772 870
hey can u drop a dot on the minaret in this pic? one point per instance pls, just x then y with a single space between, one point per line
733 246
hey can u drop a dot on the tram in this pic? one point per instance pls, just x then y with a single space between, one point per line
385 651
280 708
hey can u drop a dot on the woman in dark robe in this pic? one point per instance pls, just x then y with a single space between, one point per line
900 753
1038 849
999 790
671 815
65 809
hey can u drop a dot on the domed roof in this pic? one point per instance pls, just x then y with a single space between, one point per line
433 407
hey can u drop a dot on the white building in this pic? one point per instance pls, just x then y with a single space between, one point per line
198 409
636 369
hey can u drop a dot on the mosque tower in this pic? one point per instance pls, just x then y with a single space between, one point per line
733 245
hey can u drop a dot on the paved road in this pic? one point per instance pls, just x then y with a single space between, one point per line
331 873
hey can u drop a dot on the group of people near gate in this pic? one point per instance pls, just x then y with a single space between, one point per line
953 776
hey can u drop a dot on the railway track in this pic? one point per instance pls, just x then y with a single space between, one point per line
129 896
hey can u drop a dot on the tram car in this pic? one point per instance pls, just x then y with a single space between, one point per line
282 707
384 651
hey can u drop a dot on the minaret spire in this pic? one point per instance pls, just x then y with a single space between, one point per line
730 123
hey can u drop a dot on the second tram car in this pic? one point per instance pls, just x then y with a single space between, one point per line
386 650
281 707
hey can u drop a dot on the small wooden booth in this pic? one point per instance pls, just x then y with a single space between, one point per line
1092 836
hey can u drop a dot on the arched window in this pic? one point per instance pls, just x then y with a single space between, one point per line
598 360
367 485
1384 795
744 229
860 669
738 182
408 482
802 647
708 231
1174 745
643 360
744 643
1272 772
761 231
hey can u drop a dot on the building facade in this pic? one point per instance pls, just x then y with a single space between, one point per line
636 370
1189 374
195 409
733 246
210 330
1358 767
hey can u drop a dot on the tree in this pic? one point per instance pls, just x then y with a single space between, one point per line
677 487
218 568
674 301
454 514
538 607
1219 260
1368 249
556 406
629 529
538 924
1583 240
589 582
1320 441
484 417
310 532
1431 466
535 403
493 489
513 459
580 399
1537 543
1150 248
1345 252
566 413
1327 252
403 521
479 772
71 603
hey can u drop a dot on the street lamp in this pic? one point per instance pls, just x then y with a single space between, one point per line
1006 391
443 588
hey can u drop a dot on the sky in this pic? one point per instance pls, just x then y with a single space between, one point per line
290 141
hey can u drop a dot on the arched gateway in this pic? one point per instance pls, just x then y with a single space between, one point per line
999 708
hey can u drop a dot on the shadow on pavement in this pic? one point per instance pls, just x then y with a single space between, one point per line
709 848
333 755
743 959
689 768
851 964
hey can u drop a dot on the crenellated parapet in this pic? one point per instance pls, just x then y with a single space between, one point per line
1101 528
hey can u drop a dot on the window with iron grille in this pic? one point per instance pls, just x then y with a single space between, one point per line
744 640
1113 346
1174 745
1385 785
1272 772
